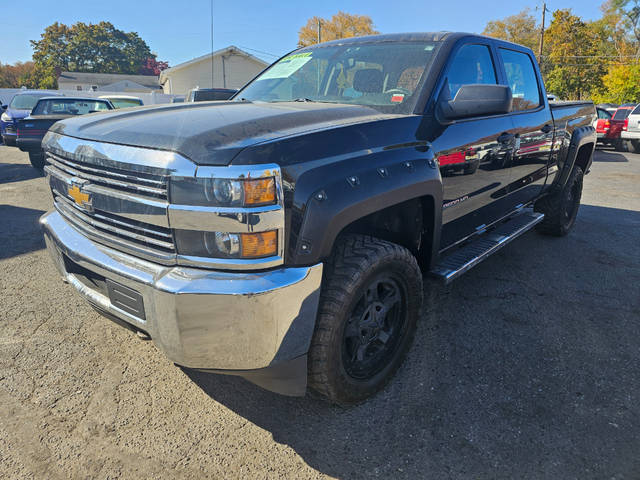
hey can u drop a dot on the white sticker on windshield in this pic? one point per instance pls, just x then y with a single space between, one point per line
287 66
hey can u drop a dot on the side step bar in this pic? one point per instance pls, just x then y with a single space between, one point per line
464 258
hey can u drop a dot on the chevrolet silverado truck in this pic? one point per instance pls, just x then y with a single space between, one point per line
284 235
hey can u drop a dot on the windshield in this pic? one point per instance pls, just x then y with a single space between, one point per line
69 106
125 102
621 113
384 75
26 101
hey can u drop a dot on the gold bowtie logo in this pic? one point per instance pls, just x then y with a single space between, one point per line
79 197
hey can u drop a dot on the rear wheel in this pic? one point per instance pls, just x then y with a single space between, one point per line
633 146
561 209
37 160
619 145
367 318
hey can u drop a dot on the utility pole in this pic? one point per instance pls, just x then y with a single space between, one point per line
319 31
212 84
544 11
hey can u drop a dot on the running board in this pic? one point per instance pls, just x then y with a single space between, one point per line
464 258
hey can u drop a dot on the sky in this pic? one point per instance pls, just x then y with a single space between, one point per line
179 31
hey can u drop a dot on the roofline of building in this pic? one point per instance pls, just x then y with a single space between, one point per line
230 48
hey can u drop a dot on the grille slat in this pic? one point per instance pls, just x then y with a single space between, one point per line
111 178
147 240
128 232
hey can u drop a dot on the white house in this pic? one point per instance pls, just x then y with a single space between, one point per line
232 68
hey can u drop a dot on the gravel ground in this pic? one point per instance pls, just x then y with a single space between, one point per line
528 367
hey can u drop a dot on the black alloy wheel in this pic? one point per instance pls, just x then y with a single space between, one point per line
375 327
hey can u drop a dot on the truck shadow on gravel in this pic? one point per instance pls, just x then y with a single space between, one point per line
20 232
609 156
528 367
17 172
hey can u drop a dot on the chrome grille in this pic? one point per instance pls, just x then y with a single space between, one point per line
121 201
138 182
145 240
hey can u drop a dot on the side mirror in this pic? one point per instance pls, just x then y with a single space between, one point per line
4 107
476 100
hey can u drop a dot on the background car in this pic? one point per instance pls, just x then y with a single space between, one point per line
19 107
631 131
618 120
609 107
123 101
206 94
47 111
602 124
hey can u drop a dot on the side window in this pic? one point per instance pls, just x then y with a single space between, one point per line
471 65
605 114
521 77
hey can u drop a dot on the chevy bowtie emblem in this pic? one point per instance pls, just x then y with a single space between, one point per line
82 199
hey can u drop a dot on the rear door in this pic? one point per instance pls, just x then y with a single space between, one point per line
533 125
473 154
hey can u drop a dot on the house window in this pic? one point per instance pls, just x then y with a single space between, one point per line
79 88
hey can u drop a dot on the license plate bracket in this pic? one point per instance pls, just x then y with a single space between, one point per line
126 299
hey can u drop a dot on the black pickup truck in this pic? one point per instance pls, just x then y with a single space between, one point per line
284 235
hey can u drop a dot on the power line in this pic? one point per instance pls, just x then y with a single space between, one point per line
260 51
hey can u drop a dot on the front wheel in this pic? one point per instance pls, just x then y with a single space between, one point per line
37 160
369 307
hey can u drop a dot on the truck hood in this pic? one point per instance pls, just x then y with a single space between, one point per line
211 133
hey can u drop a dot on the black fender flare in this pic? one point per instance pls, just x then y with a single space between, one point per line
336 195
581 136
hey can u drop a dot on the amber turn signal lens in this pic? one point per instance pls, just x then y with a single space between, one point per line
263 244
261 191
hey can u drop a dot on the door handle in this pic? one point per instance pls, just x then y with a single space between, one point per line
506 137
547 128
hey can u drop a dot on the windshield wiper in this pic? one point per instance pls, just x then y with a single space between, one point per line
303 99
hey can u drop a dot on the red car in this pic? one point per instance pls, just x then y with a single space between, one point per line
617 123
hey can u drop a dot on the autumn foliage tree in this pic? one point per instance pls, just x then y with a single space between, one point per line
151 66
341 25
16 76
520 28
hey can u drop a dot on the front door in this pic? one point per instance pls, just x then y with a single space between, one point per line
474 154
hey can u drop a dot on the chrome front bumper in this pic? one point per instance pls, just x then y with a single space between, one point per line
199 318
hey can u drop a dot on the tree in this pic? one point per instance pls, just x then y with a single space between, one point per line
151 66
520 28
630 10
341 25
93 48
575 67
15 76
621 85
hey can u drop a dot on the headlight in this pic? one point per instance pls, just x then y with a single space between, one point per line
224 192
227 245
5 117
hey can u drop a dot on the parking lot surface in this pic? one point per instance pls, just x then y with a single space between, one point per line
528 367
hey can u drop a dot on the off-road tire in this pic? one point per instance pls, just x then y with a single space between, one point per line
358 260
37 160
561 209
